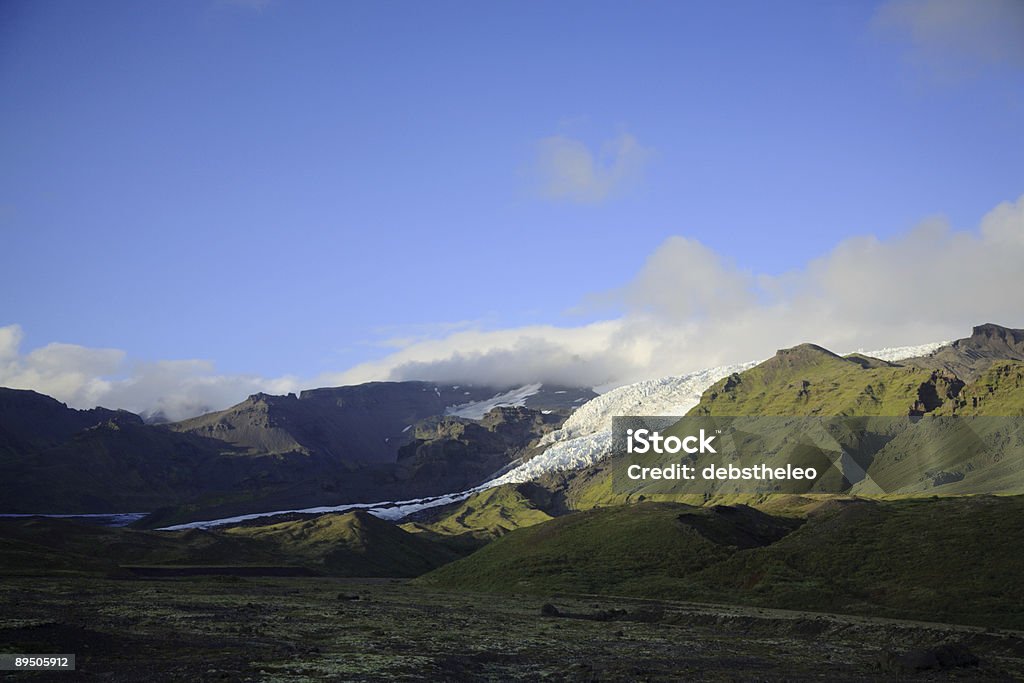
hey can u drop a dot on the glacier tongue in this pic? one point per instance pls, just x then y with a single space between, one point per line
587 435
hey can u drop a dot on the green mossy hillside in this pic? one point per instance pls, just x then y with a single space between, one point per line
810 380
485 516
350 544
952 559
628 550
998 391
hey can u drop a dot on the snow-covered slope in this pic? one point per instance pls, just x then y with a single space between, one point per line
477 409
585 437
900 352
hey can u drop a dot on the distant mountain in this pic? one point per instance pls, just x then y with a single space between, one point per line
30 421
57 459
362 423
324 447
464 452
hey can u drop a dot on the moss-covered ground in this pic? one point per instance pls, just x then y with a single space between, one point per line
310 629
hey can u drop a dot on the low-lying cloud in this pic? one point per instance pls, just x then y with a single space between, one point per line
85 377
687 308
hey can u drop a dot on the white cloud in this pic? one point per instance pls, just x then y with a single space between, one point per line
688 308
83 378
74 372
501 357
567 169
951 35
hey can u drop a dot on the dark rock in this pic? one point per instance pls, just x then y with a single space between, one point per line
549 610
607 615
649 615
968 358
942 657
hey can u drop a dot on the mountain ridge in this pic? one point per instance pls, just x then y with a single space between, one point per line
323 447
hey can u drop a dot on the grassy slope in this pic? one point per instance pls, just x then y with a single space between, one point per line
482 517
42 546
623 550
350 544
945 559
917 559
809 380
998 391
804 380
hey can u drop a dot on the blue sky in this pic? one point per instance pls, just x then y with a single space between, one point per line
278 188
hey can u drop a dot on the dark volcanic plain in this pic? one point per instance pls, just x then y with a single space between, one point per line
297 629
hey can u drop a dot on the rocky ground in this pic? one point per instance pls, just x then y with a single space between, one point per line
296 629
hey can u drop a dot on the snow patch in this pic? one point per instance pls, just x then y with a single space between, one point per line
475 410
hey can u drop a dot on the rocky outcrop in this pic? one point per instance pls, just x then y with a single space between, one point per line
970 357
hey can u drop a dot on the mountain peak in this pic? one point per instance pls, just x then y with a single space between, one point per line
990 332
970 357
806 350
801 355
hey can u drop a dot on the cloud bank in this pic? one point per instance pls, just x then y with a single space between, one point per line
86 377
688 308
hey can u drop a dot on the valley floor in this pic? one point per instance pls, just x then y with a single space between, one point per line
296 629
